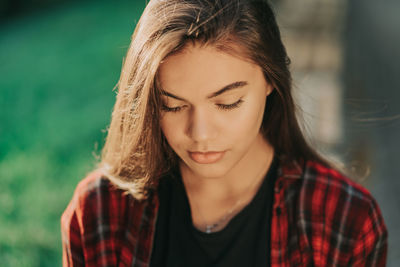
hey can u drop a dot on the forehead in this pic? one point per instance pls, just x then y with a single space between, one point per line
201 69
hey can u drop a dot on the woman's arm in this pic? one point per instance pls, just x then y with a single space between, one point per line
71 239
76 223
103 226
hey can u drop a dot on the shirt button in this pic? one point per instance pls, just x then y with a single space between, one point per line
278 187
278 211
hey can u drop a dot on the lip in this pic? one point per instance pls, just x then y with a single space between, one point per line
206 157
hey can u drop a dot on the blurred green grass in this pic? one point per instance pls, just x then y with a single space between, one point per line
58 68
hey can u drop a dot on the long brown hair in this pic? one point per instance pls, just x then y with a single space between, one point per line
136 153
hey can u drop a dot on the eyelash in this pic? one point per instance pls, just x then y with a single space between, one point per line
220 106
230 106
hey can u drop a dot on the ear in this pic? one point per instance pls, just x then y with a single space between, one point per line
269 89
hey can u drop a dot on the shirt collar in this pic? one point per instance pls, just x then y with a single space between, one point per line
291 169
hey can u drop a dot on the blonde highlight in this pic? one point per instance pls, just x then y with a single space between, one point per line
136 154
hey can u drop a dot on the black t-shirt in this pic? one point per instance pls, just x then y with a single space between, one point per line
244 241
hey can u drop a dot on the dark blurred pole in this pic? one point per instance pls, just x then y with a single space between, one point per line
12 8
372 101
9 8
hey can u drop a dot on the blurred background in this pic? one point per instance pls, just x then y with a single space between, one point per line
59 63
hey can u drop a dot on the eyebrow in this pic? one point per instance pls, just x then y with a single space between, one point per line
226 88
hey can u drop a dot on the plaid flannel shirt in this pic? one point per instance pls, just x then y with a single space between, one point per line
320 218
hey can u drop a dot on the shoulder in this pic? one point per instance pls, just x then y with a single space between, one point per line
103 220
97 201
324 193
328 188
93 190
337 209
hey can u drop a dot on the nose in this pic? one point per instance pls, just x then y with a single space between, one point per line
201 126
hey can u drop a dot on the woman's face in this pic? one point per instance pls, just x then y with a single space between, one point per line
213 105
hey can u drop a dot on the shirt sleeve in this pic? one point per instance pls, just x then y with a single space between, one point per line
370 248
71 240
73 220
94 225
71 231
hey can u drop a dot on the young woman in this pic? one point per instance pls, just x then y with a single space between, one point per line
204 162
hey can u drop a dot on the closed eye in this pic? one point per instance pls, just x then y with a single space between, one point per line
219 106
230 106
171 109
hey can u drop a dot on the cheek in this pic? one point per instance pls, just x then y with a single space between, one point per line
246 122
171 130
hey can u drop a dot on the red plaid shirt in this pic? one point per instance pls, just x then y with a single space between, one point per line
320 218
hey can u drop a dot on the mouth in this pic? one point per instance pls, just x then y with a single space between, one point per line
206 157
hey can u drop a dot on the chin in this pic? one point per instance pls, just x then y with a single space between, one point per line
208 170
